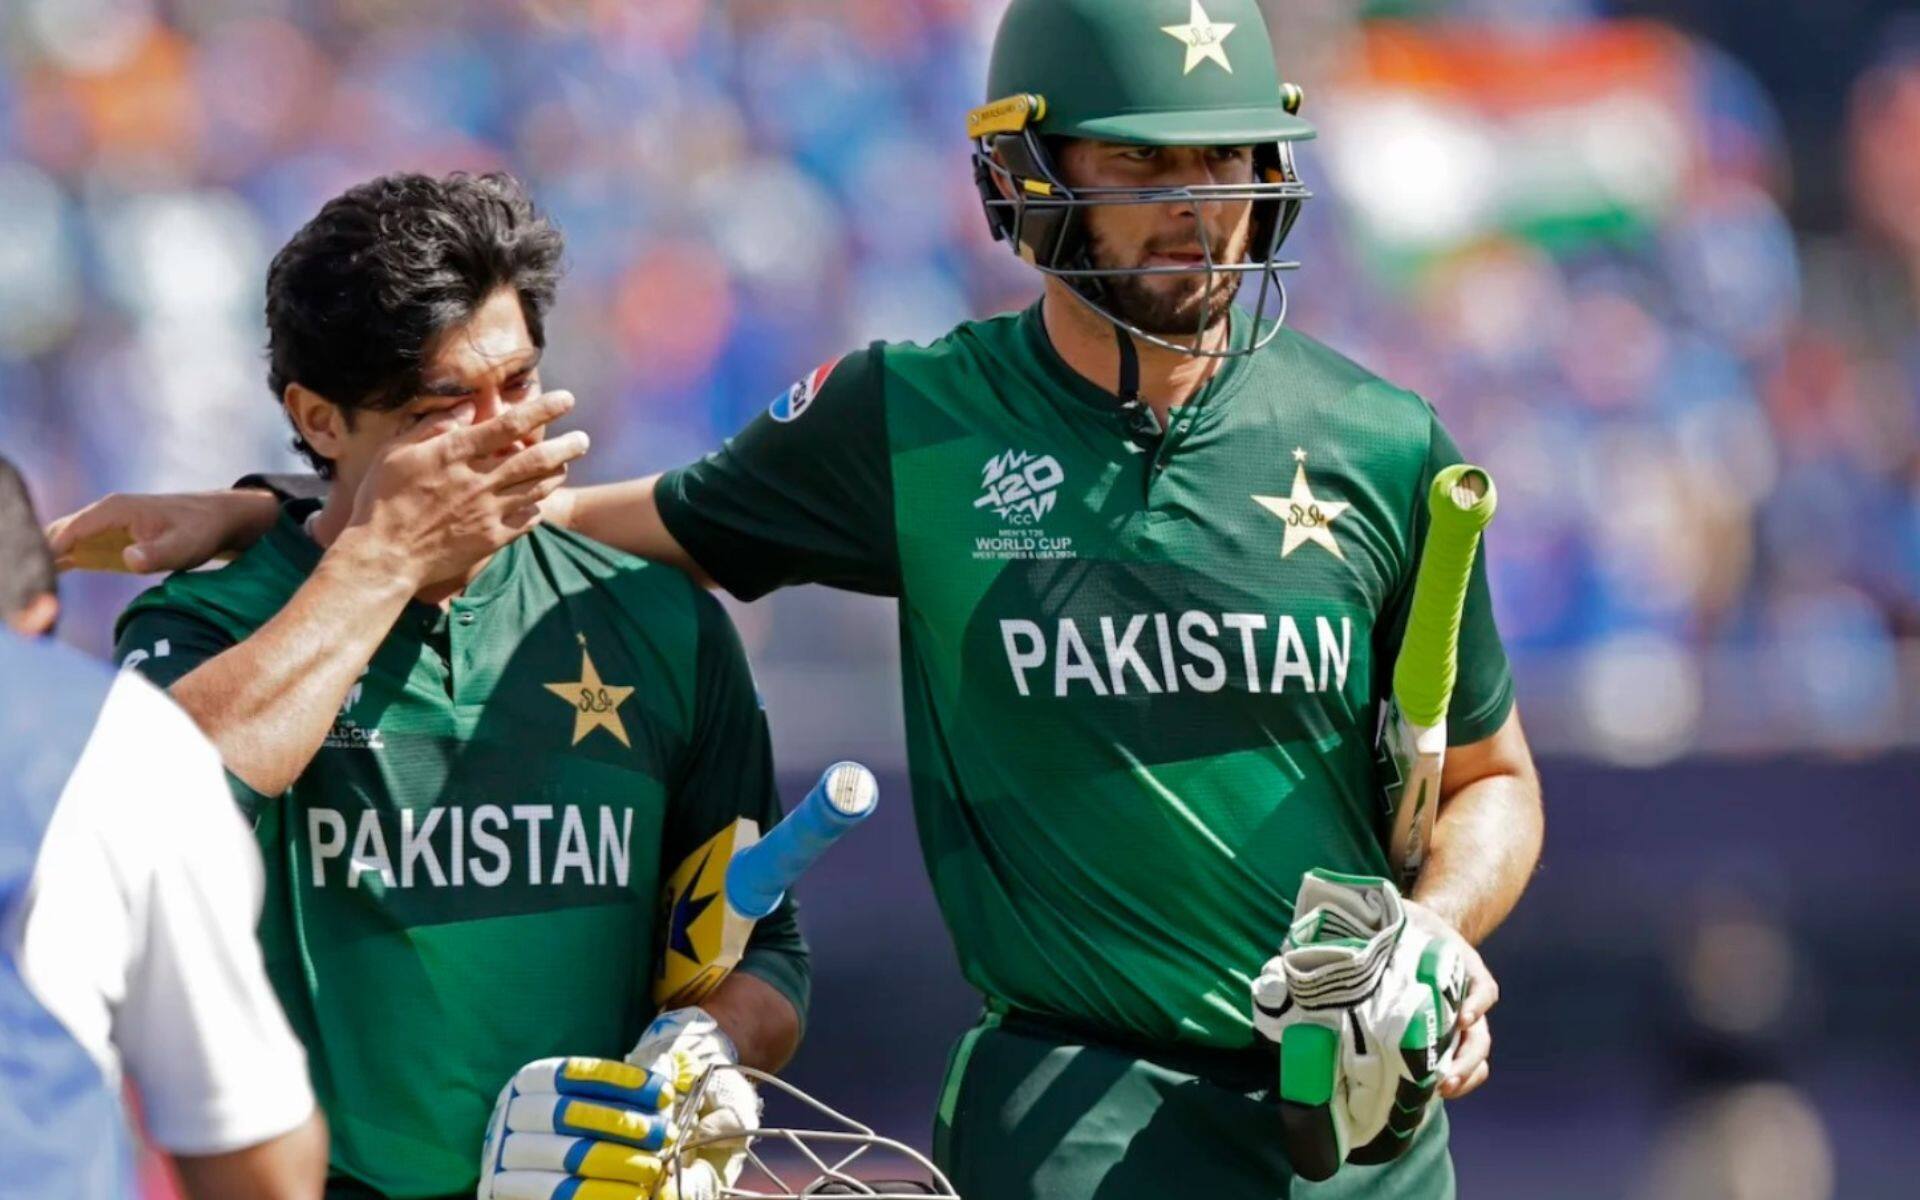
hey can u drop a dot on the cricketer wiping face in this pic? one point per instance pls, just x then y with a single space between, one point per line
472 747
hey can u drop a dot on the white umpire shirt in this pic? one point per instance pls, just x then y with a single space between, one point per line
137 933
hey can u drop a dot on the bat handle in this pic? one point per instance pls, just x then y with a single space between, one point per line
761 874
1461 501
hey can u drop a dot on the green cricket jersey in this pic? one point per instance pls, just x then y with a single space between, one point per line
1141 680
465 877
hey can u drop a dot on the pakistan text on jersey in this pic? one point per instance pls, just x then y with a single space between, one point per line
1162 652
534 845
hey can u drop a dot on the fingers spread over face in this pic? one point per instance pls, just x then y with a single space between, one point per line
443 421
533 491
499 432
523 518
541 460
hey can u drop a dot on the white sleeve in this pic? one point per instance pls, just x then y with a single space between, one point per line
150 830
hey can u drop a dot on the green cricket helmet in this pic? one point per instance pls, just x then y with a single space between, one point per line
1149 72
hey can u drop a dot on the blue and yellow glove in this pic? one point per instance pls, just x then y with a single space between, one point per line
585 1129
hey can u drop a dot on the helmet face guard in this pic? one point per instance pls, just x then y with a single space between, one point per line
1042 217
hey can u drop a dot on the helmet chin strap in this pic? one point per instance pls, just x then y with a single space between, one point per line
1143 424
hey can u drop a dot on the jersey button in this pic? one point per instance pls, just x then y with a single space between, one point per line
466 618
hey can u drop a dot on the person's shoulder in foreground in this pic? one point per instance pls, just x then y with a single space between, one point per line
129 922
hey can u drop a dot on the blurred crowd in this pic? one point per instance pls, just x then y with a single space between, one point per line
1572 236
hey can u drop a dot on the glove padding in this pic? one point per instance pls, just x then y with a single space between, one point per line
585 1129
684 1043
1363 1005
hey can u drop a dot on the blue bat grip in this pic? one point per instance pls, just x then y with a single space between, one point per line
761 874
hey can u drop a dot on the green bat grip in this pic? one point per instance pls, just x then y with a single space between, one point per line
1430 652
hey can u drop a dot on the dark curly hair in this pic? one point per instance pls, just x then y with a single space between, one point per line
357 297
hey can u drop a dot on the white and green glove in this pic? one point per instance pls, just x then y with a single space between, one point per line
582 1129
684 1043
1363 1006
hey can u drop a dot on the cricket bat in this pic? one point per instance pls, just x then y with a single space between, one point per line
1413 729
715 896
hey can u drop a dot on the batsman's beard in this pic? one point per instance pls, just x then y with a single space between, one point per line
1168 306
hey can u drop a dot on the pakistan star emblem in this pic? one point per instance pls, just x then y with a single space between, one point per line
1203 38
596 705
1308 518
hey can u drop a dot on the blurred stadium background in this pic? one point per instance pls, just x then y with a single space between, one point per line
1655 262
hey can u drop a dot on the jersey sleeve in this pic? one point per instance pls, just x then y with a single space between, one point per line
1483 689
199 1030
164 641
803 494
728 773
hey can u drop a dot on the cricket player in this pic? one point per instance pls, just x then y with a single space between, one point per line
1153 558
471 745
128 891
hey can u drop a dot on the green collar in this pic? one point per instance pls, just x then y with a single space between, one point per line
288 538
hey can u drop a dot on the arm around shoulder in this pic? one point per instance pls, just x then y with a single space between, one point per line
156 533
802 494
625 516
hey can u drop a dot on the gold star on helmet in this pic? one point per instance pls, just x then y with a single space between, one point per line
1308 517
596 705
1203 38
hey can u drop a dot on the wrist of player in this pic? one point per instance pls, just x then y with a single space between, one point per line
365 559
691 1033
1438 920
1436 911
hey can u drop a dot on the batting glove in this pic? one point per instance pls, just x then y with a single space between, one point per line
684 1043
1363 1007
581 1129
